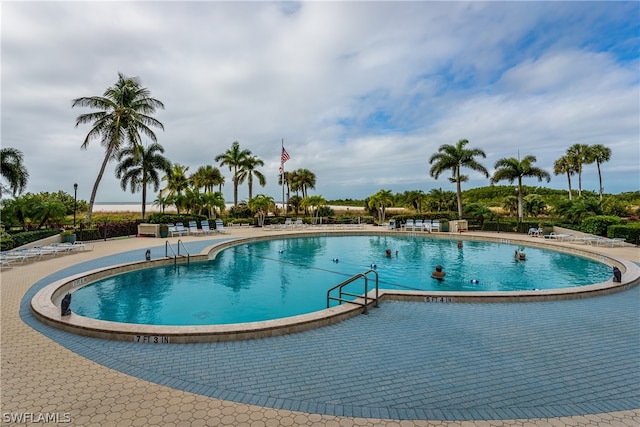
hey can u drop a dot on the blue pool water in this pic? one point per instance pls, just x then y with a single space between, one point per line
286 277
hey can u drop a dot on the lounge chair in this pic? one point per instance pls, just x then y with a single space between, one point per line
220 227
206 228
418 225
558 236
604 241
194 230
409 225
534 232
435 225
288 223
181 229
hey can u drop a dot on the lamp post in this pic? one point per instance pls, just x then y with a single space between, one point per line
75 203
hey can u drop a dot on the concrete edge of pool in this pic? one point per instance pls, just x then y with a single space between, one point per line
45 304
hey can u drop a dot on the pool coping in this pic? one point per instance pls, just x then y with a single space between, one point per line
45 304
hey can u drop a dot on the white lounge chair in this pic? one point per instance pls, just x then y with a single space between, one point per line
194 230
409 225
418 225
435 225
220 227
206 228
181 229
604 241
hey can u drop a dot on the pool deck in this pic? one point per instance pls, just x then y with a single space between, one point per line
267 382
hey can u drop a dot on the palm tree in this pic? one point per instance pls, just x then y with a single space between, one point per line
314 202
413 199
513 169
453 158
261 205
234 158
248 171
287 182
564 165
600 154
125 112
578 155
207 177
381 201
139 168
13 170
306 180
177 183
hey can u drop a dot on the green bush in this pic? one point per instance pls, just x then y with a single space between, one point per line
598 225
510 225
26 237
630 232
6 241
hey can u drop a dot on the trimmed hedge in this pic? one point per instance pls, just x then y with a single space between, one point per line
26 237
599 224
630 232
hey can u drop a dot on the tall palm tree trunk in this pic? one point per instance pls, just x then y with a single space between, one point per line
94 192
459 193
144 198
600 179
569 180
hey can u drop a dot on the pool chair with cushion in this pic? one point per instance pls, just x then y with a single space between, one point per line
409 225
206 228
435 225
181 229
194 230
220 227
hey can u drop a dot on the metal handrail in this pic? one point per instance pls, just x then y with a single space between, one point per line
180 242
342 293
168 246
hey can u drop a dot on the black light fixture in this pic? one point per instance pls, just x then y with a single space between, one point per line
75 203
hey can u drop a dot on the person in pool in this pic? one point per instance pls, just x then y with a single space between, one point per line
387 253
438 273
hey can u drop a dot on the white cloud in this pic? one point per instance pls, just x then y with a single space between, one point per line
363 93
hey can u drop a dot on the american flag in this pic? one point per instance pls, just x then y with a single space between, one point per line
285 156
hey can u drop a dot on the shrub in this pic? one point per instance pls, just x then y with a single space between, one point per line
630 232
6 241
27 237
598 224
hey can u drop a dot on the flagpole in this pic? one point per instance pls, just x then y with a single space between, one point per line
282 177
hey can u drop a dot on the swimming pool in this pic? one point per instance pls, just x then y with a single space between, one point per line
284 277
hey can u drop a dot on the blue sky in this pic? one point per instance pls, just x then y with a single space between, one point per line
363 93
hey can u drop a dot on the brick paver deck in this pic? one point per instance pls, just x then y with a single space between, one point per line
554 363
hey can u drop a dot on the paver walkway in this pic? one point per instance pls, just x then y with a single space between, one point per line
517 363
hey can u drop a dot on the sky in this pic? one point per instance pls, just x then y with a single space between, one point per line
362 93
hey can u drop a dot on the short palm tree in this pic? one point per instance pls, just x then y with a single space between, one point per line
261 205
13 170
600 154
126 110
453 158
512 169
139 167
314 202
380 202
248 171
177 184
234 158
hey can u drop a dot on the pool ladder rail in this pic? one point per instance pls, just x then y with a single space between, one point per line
358 297
167 247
